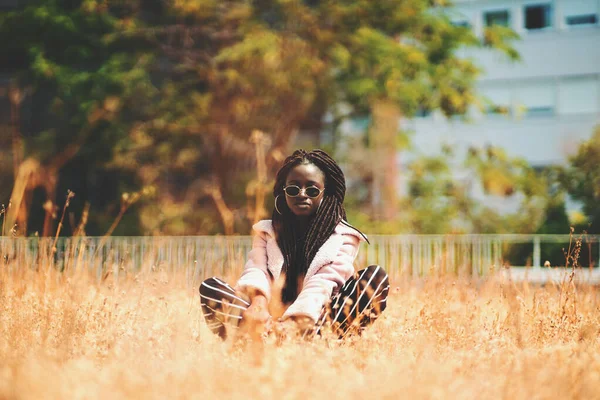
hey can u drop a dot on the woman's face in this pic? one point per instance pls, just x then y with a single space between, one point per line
305 176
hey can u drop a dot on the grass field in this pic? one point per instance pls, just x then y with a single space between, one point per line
62 336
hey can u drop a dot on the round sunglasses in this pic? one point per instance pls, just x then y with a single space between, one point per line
294 191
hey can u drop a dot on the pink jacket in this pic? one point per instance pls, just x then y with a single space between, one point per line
328 271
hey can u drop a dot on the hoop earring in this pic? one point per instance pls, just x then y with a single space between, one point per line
276 208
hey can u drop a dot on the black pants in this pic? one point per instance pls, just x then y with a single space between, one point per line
358 304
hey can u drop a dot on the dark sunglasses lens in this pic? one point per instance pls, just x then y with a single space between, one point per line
292 191
312 191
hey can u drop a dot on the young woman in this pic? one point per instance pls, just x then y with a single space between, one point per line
309 245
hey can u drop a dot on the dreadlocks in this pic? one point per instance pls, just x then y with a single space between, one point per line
328 216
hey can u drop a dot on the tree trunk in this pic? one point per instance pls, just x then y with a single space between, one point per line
224 211
284 134
31 175
260 141
50 207
15 96
27 179
383 138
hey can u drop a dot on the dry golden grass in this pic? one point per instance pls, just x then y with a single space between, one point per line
63 336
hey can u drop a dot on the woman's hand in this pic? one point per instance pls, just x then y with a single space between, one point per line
258 312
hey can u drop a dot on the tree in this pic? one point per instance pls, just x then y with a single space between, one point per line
167 94
393 58
387 58
581 179
491 175
225 74
513 179
451 194
80 75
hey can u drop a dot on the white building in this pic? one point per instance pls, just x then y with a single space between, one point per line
551 97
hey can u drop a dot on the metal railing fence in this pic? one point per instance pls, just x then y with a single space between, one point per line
202 256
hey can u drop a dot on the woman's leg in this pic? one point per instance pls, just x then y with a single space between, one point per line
221 305
359 303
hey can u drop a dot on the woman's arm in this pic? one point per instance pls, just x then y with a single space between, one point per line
320 286
256 284
255 279
258 311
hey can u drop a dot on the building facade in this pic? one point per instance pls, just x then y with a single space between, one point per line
541 107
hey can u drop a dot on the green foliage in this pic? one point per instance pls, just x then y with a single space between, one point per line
85 74
447 194
499 37
404 51
502 176
79 60
581 179
398 57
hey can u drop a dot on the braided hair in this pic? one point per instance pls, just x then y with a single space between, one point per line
321 226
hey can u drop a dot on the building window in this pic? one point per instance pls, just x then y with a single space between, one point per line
461 19
539 111
581 12
538 16
536 99
422 112
579 96
589 19
501 17
498 100
462 24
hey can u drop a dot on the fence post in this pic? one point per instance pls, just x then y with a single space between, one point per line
536 252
